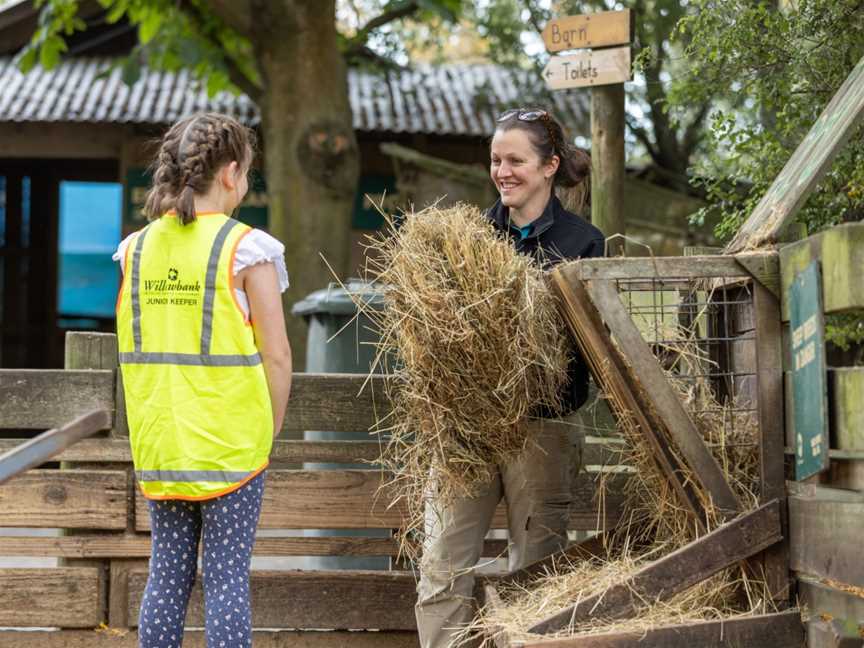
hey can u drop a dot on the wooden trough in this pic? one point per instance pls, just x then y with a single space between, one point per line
593 296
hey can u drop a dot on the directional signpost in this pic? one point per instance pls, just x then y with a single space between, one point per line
602 65
588 68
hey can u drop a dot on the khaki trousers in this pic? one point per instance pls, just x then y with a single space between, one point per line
538 492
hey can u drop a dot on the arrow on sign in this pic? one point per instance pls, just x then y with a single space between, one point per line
588 68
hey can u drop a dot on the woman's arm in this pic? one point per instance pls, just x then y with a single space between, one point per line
268 324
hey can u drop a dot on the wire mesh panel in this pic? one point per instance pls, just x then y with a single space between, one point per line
702 332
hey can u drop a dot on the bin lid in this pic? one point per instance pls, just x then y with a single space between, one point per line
338 299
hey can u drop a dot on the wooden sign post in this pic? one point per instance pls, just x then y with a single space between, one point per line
604 71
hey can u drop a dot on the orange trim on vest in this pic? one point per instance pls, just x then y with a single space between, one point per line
123 274
201 498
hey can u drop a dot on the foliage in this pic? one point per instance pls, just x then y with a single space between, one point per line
188 34
777 69
670 139
171 36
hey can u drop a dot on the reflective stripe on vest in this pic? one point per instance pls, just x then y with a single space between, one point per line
198 406
204 358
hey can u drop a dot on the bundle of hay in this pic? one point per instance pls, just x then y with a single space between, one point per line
477 344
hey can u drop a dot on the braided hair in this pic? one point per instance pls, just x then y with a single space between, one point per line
547 138
191 152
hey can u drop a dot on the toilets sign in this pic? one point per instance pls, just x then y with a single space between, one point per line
602 64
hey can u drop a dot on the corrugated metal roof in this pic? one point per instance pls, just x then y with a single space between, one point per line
445 100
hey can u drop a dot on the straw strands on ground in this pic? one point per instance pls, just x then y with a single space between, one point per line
476 342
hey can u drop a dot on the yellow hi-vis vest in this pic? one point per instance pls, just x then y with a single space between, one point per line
200 419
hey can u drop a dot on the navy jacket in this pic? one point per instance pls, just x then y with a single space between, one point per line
556 236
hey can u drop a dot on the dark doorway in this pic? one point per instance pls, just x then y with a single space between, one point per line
30 334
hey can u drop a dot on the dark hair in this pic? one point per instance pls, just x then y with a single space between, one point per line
191 152
548 138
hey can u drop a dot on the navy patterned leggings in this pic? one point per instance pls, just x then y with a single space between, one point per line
226 526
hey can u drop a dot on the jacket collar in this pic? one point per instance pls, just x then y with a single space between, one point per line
500 215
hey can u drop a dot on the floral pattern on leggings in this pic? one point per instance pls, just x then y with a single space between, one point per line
226 526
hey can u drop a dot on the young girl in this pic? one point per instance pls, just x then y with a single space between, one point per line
206 370
529 157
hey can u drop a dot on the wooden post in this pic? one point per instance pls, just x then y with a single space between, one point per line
607 163
87 350
769 376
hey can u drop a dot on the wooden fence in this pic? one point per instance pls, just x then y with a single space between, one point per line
94 592
826 512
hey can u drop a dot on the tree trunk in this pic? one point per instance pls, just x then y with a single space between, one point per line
311 155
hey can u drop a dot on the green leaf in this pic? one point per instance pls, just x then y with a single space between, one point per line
26 58
116 12
49 53
149 26
131 70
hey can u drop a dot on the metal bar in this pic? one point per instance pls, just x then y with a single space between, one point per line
39 450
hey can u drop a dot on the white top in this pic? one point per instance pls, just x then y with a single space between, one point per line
254 248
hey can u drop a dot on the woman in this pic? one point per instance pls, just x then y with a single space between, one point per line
530 155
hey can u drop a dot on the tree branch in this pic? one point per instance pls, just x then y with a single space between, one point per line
237 14
532 16
235 73
695 129
642 135
362 35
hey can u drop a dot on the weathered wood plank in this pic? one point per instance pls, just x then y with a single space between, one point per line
337 402
840 250
668 268
764 267
769 383
65 597
350 499
493 602
609 371
833 633
780 630
830 602
808 164
356 600
48 444
117 638
76 499
846 391
138 546
596 451
662 397
45 398
825 534
737 540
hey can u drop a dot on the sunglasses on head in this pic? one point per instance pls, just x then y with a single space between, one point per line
530 116
523 115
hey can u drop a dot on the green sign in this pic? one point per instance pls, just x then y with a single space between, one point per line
809 382
253 211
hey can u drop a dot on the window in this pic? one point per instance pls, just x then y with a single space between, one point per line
90 215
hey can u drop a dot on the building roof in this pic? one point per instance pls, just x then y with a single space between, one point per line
443 100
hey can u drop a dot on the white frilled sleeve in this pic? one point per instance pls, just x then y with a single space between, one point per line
254 248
